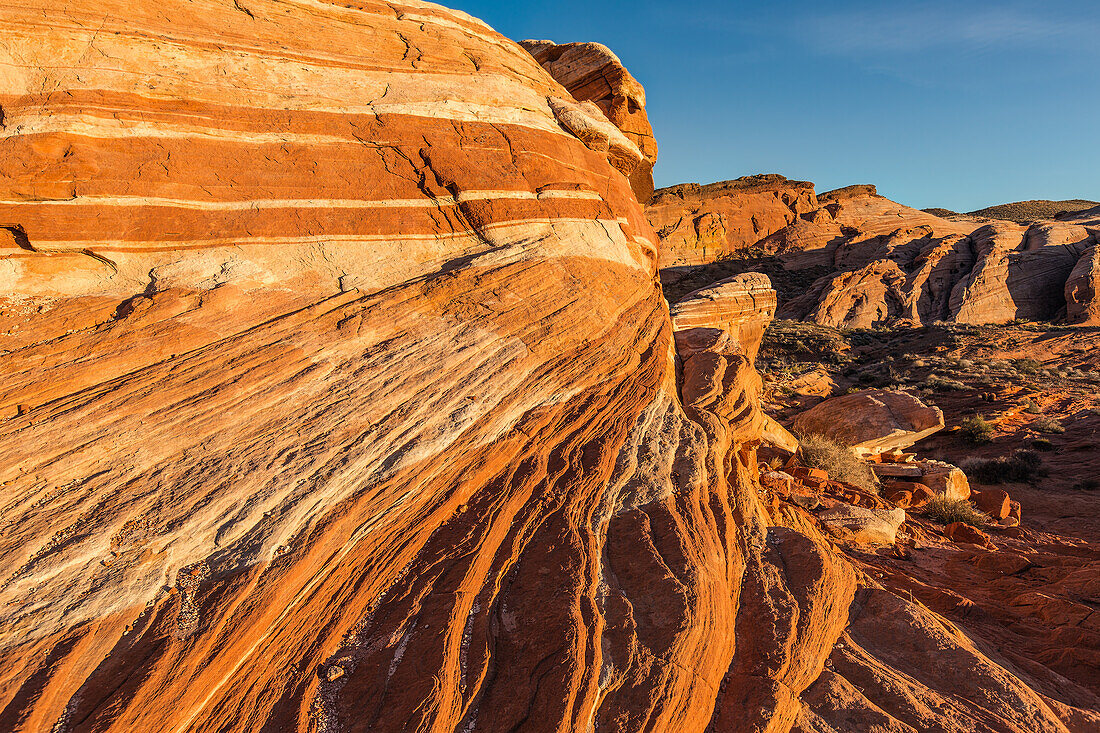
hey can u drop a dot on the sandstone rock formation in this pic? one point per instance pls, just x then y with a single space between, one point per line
593 73
309 339
739 308
743 305
1083 289
699 224
883 262
943 478
864 526
338 395
872 421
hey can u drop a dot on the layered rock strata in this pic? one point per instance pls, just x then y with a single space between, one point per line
884 262
593 73
699 224
339 395
872 421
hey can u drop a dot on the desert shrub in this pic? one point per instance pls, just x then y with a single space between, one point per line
1042 444
799 341
946 511
839 461
943 384
1022 467
1048 425
1027 366
1032 408
1089 484
976 430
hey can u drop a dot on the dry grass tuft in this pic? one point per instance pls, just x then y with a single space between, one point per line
839 461
947 511
1022 467
976 430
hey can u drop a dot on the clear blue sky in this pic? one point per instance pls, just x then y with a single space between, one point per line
956 104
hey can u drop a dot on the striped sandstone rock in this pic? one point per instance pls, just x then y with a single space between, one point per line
593 73
337 387
338 395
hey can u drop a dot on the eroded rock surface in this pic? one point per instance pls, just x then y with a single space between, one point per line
699 224
1083 289
872 421
872 261
593 73
339 395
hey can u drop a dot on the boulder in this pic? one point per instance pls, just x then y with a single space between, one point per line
896 470
917 494
961 533
812 477
777 481
862 525
872 421
899 498
994 502
943 478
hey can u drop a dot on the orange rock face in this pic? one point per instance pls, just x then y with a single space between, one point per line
699 224
872 421
338 394
742 305
884 262
593 73
1083 289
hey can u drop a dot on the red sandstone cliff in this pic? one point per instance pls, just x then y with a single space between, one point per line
881 262
339 395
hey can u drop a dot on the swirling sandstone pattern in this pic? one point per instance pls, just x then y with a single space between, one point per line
339 395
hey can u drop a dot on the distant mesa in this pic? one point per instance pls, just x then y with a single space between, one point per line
1027 212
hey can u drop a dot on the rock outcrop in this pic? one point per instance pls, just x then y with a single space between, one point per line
743 305
877 262
339 395
872 421
699 224
337 390
593 73
1083 289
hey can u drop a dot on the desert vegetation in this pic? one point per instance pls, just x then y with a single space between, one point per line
947 511
976 430
1021 467
839 461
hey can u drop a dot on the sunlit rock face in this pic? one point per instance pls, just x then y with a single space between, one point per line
593 73
701 224
338 394
338 391
871 261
